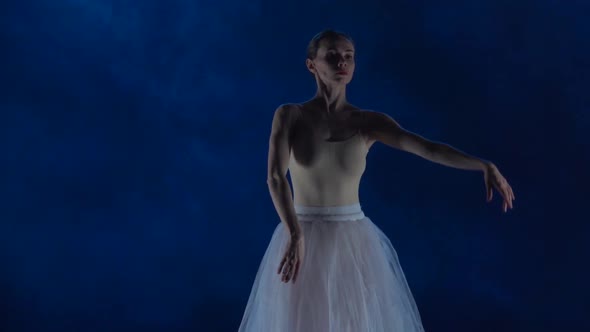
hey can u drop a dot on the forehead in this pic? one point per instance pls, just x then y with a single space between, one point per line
339 44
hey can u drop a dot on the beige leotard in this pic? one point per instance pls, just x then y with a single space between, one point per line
328 173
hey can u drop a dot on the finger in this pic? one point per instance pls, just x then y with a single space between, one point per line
296 272
505 191
281 265
504 194
289 275
293 266
285 264
287 271
504 206
508 197
490 193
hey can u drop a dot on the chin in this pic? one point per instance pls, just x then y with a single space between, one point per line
344 80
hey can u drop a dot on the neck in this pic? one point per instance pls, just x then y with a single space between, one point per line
332 96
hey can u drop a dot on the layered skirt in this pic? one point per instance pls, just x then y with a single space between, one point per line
350 279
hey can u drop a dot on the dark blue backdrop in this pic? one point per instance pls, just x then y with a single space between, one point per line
135 136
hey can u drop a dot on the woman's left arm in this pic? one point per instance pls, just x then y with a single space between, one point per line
381 127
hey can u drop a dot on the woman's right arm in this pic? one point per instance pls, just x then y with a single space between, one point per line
278 163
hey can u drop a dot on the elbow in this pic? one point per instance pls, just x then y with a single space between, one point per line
433 150
274 180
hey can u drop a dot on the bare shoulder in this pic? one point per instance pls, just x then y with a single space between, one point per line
376 121
285 116
375 117
289 107
373 122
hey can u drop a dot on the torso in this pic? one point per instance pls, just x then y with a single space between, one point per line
327 156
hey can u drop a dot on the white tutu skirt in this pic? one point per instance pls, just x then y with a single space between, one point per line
350 279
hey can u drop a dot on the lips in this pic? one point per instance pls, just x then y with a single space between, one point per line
342 72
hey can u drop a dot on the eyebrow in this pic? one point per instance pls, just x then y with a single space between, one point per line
334 49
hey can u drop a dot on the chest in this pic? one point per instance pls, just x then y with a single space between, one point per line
315 152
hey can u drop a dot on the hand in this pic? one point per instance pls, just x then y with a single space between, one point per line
292 258
493 179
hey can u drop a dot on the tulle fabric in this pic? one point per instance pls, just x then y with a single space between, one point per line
350 279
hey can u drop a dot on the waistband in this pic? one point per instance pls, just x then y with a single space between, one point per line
329 213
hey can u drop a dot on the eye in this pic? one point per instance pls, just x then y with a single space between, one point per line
331 56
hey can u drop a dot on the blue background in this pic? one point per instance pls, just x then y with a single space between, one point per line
135 137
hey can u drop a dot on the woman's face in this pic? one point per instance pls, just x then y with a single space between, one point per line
334 61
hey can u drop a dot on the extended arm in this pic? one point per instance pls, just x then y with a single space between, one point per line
386 130
381 127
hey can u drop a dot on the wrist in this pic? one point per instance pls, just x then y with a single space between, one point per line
295 234
487 165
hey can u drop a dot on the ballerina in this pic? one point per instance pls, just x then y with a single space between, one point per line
328 267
